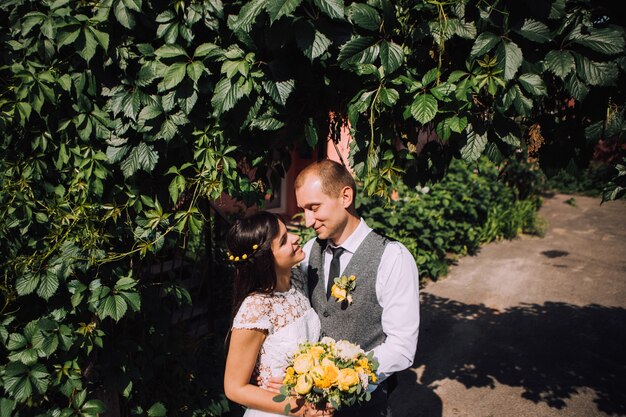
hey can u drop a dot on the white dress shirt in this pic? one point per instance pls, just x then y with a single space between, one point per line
397 291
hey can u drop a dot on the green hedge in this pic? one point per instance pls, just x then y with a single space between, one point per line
471 206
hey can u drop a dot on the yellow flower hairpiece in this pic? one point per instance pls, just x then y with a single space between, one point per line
243 257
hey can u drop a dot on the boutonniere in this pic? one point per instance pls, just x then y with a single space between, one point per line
343 287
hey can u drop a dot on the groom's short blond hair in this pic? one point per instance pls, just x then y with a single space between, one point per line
333 176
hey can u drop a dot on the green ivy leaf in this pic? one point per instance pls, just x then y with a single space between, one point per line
466 30
48 285
101 38
123 15
359 50
596 73
173 76
523 105
391 56
142 157
21 381
474 147
332 8
247 15
133 299
27 283
279 8
125 283
533 84
92 408
177 186
443 90
6 407
115 154
226 95
389 96
310 132
364 16
457 124
195 70
23 109
424 108
113 306
509 58
266 123
535 31
484 43
279 91
576 87
68 36
609 41
170 51
30 20
206 50
157 410
312 42
560 63
149 112
16 341
90 45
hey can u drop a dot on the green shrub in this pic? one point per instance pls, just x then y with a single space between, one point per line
589 182
471 206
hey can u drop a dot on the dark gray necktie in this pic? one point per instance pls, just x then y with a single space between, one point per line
334 268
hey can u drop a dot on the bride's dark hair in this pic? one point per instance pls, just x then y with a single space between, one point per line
256 273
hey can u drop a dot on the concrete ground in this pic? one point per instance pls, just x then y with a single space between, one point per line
528 327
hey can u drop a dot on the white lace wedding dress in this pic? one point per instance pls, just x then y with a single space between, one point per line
288 319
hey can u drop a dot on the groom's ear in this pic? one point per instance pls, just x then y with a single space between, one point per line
347 196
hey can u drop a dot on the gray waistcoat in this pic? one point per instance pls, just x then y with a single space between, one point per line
359 322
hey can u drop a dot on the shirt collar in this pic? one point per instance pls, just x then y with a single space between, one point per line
352 243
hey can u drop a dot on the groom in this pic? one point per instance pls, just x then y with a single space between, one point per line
384 314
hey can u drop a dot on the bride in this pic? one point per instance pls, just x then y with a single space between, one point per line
271 314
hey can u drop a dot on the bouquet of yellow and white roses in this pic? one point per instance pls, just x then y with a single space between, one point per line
329 372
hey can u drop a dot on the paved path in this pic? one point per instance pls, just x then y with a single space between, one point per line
530 327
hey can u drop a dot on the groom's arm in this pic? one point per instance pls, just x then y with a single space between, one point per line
397 290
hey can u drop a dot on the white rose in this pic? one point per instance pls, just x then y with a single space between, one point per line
327 340
347 350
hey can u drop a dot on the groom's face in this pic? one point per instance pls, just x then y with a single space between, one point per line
326 214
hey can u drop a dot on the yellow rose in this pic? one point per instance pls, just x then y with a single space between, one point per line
328 361
289 375
352 278
303 363
325 376
303 385
347 378
316 352
363 362
339 293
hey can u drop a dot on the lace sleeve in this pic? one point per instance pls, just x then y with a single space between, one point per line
299 280
254 313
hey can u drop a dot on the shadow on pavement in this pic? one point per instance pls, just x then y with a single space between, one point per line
411 399
550 351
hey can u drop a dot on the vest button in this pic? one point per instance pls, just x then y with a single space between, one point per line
326 314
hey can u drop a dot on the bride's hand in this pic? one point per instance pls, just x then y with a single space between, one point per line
274 384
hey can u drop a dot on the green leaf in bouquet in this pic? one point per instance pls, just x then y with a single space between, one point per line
279 398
